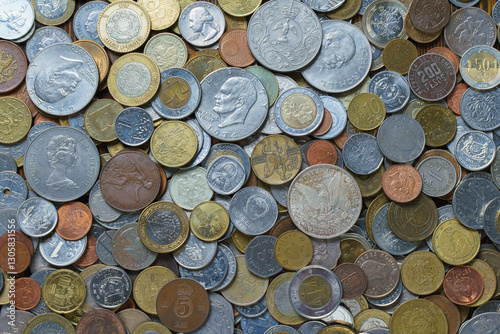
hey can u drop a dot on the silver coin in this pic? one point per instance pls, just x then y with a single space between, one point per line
391 299
40 276
231 268
481 109
189 188
401 138
13 190
27 36
104 249
226 175
307 280
469 27
128 251
111 287
270 127
299 111
133 126
405 296
280 193
61 164
438 176
362 154
311 327
60 252
383 21
485 323
14 321
260 258
179 94
470 200
284 35
211 275
344 60
258 325
195 254
495 169
280 329
201 24
253 210
18 16
221 317
341 315
199 134
254 310
43 38
7 163
476 70
462 4
233 104
326 252
475 150
101 210
37 129
462 128
167 50
392 88
85 20
204 151
15 150
228 149
37 217
77 79
89 300
324 5
489 306
339 116
490 220
495 13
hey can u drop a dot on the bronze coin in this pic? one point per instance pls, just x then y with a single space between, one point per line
448 54
22 257
463 285
341 139
22 94
89 256
325 125
100 321
449 309
163 181
281 226
234 50
183 305
321 152
453 100
402 183
27 294
130 302
429 15
75 221
14 66
353 280
130 181
19 236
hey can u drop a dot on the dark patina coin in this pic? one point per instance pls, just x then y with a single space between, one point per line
14 66
429 16
96 320
431 77
111 287
260 258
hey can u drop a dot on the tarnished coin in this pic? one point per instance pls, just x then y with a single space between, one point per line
183 305
431 77
361 154
174 143
128 252
479 67
195 253
439 124
133 126
417 35
19 19
343 60
429 16
189 187
382 272
95 320
489 278
13 190
454 243
260 258
353 280
85 20
163 13
438 176
167 50
475 150
270 82
293 250
383 22
73 89
202 65
398 55
366 111
201 24
209 221
220 319
463 285
425 313
234 50
422 272
272 40
15 67
64 291
110 287
479 109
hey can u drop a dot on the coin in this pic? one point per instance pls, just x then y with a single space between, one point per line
424 312
53 13
189 187
417 35
201 66
47 322
60 252
381 271
110 287
167 50
486 321
479 67
402 183
353 280
63 291
429 17
211 275
372 319
17 118
293 250
209 221
460 279
75 221
279 302
454 99
174 143
163 14
366 111
474 114
361 154
489 280
19 23
422 272
378 33
234 50
454 243
466 154
28 293
321 152
85 21
260 257
269 80
439 124
96 320
195 253
15 68
146 327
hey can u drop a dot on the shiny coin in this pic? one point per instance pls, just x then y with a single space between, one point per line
85 20
475 150
63 291
133 126
437 77
402 183
279 303
53 14
15 67
392 88
479 67
366 111
209 221
382 272
148 326
210 276
226 175
361 154
195 253
110 287
260 258
419 311
463 285
37 217
60 252
201 24
479 109
128 252
375 25
438 176
75 221
167 50
454 243
18 23
486 322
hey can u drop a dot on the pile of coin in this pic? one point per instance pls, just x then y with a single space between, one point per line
184 166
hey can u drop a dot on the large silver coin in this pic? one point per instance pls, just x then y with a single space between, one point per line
61 164
62 79
284 35
324 201
344 60
233 104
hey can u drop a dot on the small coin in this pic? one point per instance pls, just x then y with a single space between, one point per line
353 280
379 34
100 119
174 143
269 80
438 176
89 256
195 253
417 35
260 257
475 115
18 120
466 154
346 11
110 287
448 54
361 154
421 311
226 175
209 221
28 293
454 99
202 65
381 271
293 250
372 319
429 16
463 285
61 252
398 55
366 111
454 243
167 50
234 50
134 126
64 291
154 327
75 221
402 183
321 152
189 187
211 275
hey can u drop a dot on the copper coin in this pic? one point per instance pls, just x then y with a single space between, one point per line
130 302
353 280
75 221
429 16
402 183
341 139
14 66
450 310
19 236
28 293
21 257
281 226
325 125
89 256
130 181
321 152
453 100
100 321
234 50
463 285
448 54
22 94
163 181
183 305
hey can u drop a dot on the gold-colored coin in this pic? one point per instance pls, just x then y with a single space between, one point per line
239 8
439 124
16 120
422 312
163 13
293 250
209 221
398 55
356 306
492 258
372 210
85 274
163 227
75 316
151 327
489 280
233 22
133 79
455 243
282 311
49 317
64 121
203 65
4 293
175 93
368 316
100 119
370 184
350 249
241 240
482 67
123 26
276 159
64 291
49 13
208 52
183 4
415 220
174 143
246 288
417 35
298 111
148 284
167 50
366 111
422 272
347 97
100 56
337 329
315 292
117 147
346 11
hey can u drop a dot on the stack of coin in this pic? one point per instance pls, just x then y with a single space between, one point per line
249 167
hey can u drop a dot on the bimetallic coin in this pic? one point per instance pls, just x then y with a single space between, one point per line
128 252
211 275
85 20
226 175
383 22
110 287
272 40
167 50
270 126
431 77
53 13
189 187
44 323
454 243
361 154
438 176
73 90
382 272
479 109
209 221
475 150
64 291
299 111
37 217
424 312
133 126
366 111
260 258
479 67
278 301
15 68
20 17
343 60
392 88
149 326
